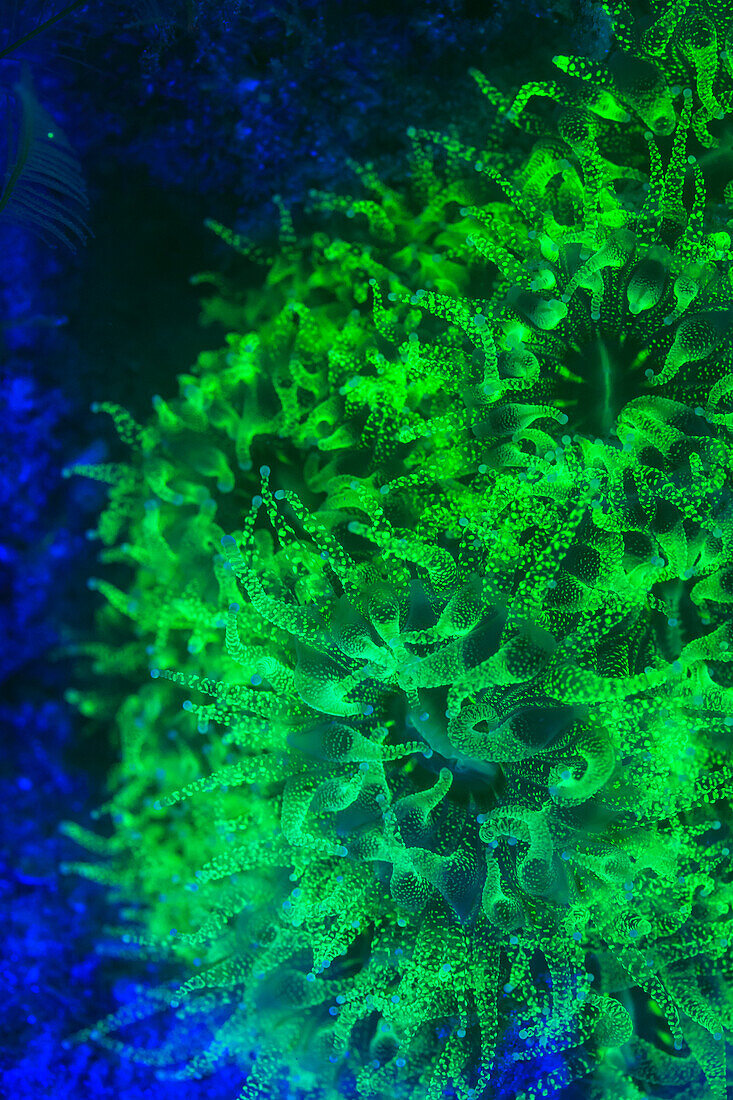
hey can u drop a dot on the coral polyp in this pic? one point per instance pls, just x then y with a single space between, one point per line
437 559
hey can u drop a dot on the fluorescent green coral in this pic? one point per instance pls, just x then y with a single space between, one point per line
436 553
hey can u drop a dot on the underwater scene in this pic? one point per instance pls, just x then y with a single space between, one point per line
366 556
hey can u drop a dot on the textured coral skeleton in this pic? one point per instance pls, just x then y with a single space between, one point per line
436 555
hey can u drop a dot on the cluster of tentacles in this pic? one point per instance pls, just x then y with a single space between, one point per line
440 547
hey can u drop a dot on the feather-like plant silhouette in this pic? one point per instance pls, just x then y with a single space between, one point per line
43 186
42 182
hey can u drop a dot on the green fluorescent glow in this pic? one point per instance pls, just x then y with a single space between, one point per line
426 642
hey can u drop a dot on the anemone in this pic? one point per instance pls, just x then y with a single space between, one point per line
439 555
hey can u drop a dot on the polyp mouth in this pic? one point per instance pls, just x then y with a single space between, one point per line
607 373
